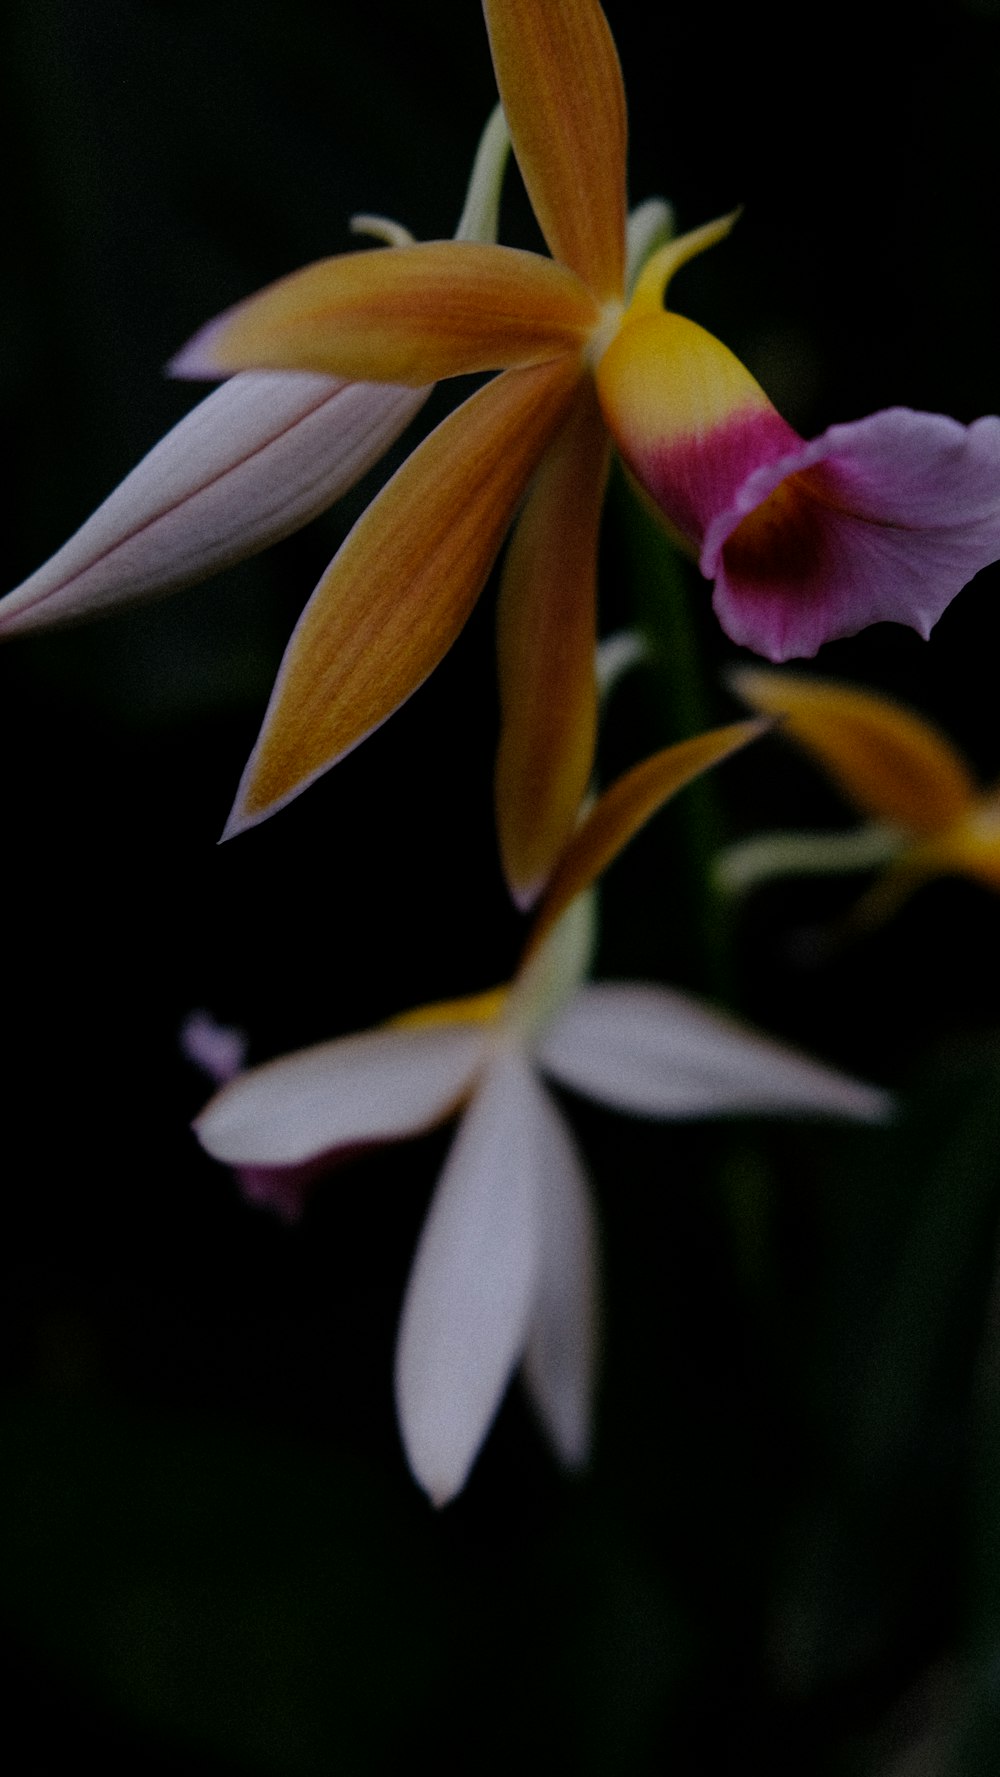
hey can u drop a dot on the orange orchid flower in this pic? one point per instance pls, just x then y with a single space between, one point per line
925 815
883 519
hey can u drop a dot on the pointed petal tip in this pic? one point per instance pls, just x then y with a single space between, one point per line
237 823
196 361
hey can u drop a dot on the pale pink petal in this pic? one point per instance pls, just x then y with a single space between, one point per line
378 1086
472 1289
562 1340
218 1049
656 1052
259 457
884 520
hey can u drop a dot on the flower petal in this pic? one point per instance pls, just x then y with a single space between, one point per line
561 86
656 1052
627 806
884 520
407 315
687 416
560 1359
404 582
377 1086
471 1292
256 459
545 644
889 762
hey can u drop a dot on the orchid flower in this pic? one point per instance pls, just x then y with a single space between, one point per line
924 813
883 519
505 1273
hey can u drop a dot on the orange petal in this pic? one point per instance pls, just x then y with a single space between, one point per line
891 764
399 590
629 803
561 86
403 315
546 643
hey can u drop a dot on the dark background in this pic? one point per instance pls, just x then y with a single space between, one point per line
785 1557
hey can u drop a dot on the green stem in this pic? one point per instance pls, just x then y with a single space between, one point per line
657 582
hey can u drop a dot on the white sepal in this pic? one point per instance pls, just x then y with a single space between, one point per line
256 459
378 1086
656 1052
560 1359
471 1292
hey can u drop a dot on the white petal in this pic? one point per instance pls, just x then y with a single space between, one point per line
374 1087
659 1053
471 1292
562 1340
256 459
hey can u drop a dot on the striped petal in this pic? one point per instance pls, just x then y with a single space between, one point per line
651 1051
410 315
400 589
546 647
561 87
471 1293
560 1360
258 458
888 762
624 808
378 1086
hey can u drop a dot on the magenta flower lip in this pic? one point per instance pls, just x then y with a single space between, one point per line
882 520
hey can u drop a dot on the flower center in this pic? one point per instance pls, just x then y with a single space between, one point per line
607 329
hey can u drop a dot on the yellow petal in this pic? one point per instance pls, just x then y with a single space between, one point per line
891 764
406 315
561 86
395 597
629 803
546 643
651 284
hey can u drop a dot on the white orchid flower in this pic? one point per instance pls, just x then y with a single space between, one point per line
505 1273
257 459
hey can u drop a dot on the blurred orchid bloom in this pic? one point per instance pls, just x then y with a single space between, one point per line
925 815
505 1273
252 463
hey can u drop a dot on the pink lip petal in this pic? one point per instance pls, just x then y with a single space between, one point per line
883 520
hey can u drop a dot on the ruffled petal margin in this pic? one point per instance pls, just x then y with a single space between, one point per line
883 520
251 463
403 584
654 1052
471 1293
